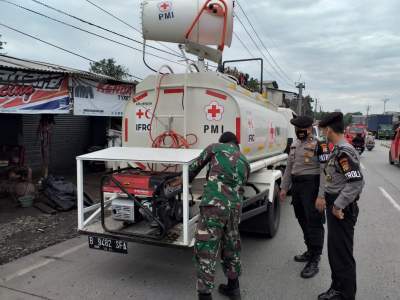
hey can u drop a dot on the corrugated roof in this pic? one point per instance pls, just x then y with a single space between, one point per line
25 64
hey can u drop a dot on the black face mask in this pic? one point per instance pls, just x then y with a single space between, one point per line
301 134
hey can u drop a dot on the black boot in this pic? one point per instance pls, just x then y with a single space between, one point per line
231 289
205 296
311 269
305 257
331 294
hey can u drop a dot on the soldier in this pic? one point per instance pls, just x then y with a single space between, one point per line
220 211
306 162
344 184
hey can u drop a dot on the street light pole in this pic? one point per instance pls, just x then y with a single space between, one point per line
300 86
386 100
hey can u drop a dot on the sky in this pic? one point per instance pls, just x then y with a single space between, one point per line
346 52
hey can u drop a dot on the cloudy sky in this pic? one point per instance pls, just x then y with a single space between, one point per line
347 52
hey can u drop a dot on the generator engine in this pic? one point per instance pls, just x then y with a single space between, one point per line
158 193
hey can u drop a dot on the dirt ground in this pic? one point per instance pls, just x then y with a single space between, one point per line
27 230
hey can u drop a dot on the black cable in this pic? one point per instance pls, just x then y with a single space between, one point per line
126 23
262 43
258 48
144 58
97 26
86 31
56 46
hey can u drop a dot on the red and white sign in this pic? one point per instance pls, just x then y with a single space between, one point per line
272 133
214 111
143 114
165 6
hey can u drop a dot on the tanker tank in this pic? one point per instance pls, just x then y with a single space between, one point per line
199 107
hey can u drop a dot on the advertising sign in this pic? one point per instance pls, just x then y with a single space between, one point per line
29 92
92 98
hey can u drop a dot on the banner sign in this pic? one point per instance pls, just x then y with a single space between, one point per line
27 92
92 98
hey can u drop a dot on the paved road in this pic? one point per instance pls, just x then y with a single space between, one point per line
71 271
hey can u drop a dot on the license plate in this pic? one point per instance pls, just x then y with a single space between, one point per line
107 244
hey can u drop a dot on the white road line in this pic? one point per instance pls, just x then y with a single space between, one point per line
42 263
387 196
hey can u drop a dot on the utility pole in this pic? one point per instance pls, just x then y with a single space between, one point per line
368 109
316 108
386 100
301 86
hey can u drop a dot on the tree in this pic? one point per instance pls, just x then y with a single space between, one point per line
110 68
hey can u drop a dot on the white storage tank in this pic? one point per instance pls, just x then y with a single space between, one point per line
214 104
171 20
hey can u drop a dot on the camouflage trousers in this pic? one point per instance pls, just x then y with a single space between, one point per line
217 233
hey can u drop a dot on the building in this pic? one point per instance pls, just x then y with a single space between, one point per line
55 111
277 96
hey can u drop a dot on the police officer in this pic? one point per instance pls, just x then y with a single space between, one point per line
305 164
220 209
344 183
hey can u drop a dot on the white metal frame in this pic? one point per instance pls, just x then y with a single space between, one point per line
182 157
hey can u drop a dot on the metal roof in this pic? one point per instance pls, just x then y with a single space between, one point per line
32 65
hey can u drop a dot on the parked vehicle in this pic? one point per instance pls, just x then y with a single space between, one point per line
385 132
394 154
375 121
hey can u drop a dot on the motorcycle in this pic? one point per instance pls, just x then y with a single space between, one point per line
359 149
370 145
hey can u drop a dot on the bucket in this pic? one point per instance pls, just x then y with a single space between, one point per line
26 201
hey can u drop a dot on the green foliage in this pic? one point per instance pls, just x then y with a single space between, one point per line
110 68
253 84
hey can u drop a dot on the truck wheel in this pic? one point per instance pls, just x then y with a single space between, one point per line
390 159
273 214
267 223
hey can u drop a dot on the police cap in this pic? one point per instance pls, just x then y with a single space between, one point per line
333 120
302 122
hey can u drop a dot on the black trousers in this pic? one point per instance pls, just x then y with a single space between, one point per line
304 193
340 248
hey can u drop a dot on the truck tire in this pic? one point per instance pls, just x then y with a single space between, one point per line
267 223
274 214
390 158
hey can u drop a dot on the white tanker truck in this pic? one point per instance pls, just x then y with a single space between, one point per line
167 124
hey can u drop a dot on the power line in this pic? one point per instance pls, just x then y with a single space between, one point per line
258 48
249 52
134 28
97 26
56 46
126 23
243 44
88 32
262 43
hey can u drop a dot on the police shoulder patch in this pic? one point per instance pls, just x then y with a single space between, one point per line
350 167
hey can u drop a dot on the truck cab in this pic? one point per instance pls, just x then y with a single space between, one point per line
394 154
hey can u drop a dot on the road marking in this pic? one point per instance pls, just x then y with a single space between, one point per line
387 196
362 166
42 263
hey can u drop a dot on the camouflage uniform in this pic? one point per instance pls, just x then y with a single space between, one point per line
220 210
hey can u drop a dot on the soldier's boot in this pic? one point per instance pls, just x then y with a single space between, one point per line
331 294
231 290
311 269
305 257
205 296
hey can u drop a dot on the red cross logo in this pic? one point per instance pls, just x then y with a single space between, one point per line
214 111
139 114
165 6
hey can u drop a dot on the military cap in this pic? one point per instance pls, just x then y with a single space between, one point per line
302 122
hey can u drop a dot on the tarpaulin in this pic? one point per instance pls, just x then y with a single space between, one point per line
33 93
93 98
